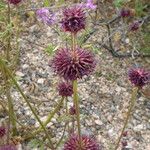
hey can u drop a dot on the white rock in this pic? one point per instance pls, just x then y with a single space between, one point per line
127 40
20 74
111 132
139 127
98 122
25 66
41 81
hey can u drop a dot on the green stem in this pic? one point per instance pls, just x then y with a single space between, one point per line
50 116
67 113
11 111
76 102
8 43
27 101
132 103
73 38
7 111
10 105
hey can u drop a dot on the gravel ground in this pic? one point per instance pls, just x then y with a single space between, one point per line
104 96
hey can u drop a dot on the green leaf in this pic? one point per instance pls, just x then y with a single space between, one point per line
84 36
60 2
2 5
139 7
46 3
119 3
51 49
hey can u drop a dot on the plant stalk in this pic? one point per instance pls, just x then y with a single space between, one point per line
73 37
76 102
132 103
9 37
28 103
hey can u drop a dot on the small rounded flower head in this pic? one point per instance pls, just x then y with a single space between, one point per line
46 16
72 65
15 2
74 19
87 143
125 12
65 89
72 110
8 147
139 77
134 26
2 131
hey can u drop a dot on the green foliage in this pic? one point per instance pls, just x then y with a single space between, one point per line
60 2
146 47
51 49
92 48
33 144
46 3
2 5
119 3
86 34
139 7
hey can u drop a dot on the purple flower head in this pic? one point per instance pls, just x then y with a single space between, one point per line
72 65
72 110
15 2
2 131
46 16
65 89
125 12
139 77
8 147
124 143
87 143
90 4
134 26
74 19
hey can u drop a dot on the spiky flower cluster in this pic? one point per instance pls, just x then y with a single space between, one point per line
139 77
74 19
72 110
8 147
65 89
87 143
125 12
72 65
46 16
15 2
2 131
134 26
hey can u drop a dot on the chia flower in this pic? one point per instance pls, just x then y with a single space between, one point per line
74 19
2 131
90 4
125 133
8 147
46 16
72 65
87 143
72 110
124 143
139 77
15 2
65 89
134 26
125 12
